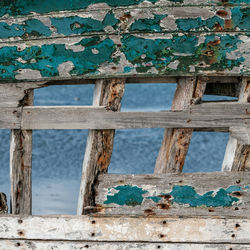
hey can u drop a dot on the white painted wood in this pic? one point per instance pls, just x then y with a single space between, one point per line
80 245
192 229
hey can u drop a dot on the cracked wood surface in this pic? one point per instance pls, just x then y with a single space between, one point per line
175 142
99 145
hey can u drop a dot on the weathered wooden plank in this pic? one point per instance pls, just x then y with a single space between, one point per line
21 166
65 245
99 145
10 118
128 228
237 153
3 203
126 55
23 7
208 115
241 134
175 142
210 194
117 21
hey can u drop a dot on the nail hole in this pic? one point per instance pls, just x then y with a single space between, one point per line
237 225
236 208
233 235
20 221
238 181
93 221
158 247
93 234
162 235
164 222
18 244
86 246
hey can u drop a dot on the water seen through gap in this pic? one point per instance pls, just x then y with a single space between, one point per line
58 154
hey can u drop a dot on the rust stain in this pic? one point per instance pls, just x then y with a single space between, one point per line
163 206
218 27
222 13
149 212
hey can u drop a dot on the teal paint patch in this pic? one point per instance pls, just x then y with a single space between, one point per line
241 18
188 195
127 69
155 199
47 58
32 27
148 24
77 25
24 7
233 189
127 195
145 54
247 187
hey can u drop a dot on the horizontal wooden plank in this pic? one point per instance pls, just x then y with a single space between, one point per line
202 194
65 245
23 7
209 115
10 118
192 229
126 55
118 21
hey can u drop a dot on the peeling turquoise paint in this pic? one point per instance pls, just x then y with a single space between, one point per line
148 24
32 27
241 18
47 58
24 7
127 195
184 195
188 195
77 25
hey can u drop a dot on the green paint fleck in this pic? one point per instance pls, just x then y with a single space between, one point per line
148 24
155 199
127 195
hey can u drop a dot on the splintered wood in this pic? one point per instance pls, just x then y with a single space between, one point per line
99 146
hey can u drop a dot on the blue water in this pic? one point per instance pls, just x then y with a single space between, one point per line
58 154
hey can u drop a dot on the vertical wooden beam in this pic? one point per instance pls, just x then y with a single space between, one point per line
99 145
237 155
20 166
175 143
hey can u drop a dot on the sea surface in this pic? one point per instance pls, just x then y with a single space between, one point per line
58 154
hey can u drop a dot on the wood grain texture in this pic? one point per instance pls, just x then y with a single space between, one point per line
195 229
10 118
201 194
77 245
207 115
21 165
237 153
99 145
175 142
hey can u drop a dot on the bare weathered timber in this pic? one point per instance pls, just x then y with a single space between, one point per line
99 145
210 194
10 118
237 155
79 245
3 203
192 229
175 142
20 165
207 115
242 134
